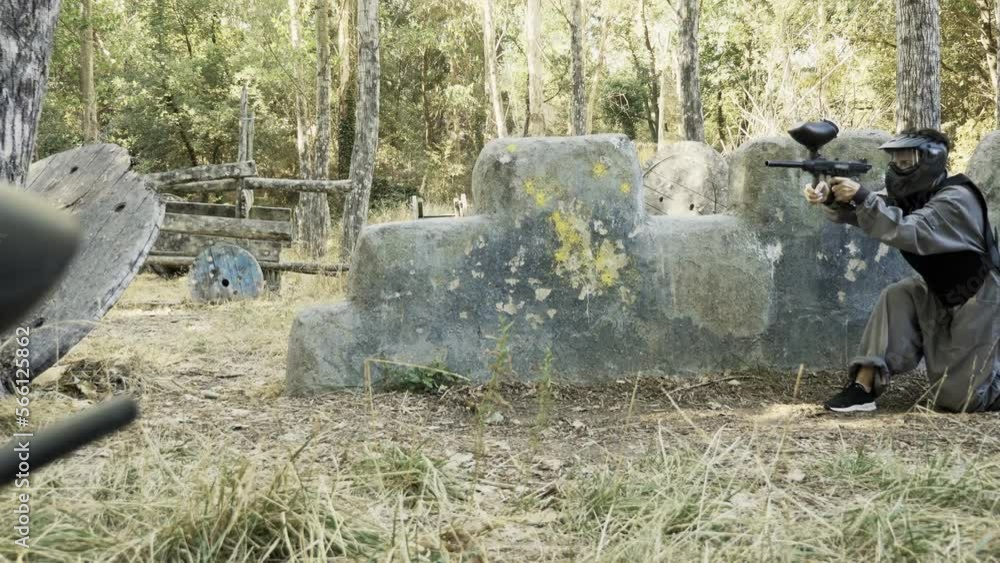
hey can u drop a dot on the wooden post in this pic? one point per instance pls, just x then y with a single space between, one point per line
417 206
461 205
244 197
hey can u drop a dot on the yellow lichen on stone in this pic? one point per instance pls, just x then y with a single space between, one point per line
589 266
512 148
626 188
600 170
532 190
570 235
608 263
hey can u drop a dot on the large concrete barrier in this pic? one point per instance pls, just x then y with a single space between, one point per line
984 169
561 248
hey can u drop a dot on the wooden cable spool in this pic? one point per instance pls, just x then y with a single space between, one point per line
225 272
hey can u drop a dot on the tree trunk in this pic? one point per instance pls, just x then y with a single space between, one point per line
366 137
505 99
996 18
596 74
490 54
25 50
536 69
345 90
579 117
744 107
918 64
720 121
988 39
425 103
313 211
89 126
661 121
300 102
653 103
321 170
688 84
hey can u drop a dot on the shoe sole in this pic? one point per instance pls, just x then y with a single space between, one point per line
865 407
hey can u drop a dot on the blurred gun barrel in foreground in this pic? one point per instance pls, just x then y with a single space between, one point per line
37 243
813 136
63 437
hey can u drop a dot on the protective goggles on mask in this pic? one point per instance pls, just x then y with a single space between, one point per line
904 161
908 151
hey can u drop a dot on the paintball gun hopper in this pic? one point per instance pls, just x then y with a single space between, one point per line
813 136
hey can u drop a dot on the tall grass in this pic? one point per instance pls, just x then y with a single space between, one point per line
731 502
184 497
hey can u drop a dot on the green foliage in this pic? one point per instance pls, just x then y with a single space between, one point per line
169 75
387 193
345 135
623 103
419 379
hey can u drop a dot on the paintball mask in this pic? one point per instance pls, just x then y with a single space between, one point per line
908 179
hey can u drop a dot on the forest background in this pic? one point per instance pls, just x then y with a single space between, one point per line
168 76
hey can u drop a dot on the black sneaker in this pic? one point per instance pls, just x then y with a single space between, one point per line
853 398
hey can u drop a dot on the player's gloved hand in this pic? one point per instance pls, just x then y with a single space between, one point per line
818 194
844 189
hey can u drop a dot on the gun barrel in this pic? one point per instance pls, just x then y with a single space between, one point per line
63 437
784 163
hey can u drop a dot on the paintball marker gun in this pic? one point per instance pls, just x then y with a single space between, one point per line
37 244
814 135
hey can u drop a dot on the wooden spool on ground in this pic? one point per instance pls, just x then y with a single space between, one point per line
225 272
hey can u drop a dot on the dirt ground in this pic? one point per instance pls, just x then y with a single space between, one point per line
218 370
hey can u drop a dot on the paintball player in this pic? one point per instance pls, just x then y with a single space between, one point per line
948 315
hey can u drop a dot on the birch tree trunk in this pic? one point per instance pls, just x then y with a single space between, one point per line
918 64
313 211
688 83
490 55
300 102
25 50
597 73
579 117
89 126
536 69
366 136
